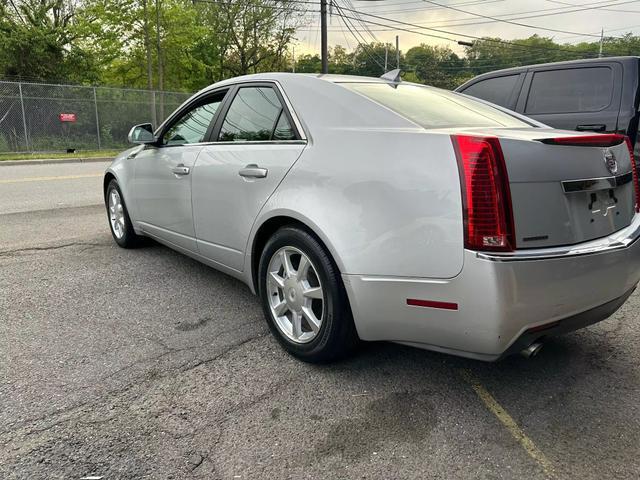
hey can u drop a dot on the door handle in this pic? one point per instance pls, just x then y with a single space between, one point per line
253 171
180 169
598 127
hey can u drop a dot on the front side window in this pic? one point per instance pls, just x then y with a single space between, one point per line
193 126
570 91
256 114
435 108
495 90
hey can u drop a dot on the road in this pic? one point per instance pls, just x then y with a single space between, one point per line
129 364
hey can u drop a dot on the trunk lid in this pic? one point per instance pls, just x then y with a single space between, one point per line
564 194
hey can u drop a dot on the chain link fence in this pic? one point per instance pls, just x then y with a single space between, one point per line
37 117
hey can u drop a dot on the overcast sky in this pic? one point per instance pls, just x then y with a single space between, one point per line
576 20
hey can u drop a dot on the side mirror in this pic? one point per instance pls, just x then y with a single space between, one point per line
142 134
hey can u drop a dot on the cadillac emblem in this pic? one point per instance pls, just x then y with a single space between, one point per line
610 161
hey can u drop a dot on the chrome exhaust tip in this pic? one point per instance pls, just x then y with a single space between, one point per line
532 350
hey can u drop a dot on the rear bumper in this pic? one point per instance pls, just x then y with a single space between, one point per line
567 325
500 298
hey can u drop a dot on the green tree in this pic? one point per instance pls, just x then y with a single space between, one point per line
491 54
369 59
41 39
435 65
308 63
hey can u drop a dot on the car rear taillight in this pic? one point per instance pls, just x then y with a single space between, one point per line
486 198
599 140
634 170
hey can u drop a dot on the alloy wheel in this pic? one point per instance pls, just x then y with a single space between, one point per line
116 214
296 297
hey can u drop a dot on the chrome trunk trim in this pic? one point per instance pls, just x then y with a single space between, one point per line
593 184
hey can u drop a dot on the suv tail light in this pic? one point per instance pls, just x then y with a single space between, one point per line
486 198
634 169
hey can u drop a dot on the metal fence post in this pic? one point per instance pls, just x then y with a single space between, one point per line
24 117
95 105
154 114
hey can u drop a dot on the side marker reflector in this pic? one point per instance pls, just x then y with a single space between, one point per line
414 302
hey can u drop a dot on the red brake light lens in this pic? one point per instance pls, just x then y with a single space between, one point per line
486 198
634 170
599 140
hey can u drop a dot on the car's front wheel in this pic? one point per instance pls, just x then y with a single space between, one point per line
303 298
119 220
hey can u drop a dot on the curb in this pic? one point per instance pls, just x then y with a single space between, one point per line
50 161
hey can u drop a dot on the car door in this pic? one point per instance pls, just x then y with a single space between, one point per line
163 172
579 97
256 141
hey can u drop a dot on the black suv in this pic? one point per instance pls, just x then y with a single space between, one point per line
599 95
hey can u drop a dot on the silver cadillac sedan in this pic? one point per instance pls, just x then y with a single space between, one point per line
373 209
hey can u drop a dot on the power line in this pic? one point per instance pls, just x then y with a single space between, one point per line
495 19
364 49
446 32
605 9
423 8
548 13
364 25
515 15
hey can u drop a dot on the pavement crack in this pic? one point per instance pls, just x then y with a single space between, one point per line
187 367
70 414
199 462
16 252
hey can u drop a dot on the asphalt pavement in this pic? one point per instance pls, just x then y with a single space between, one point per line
130 364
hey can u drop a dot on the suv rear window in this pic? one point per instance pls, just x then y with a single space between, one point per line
570 91
495 90
434 108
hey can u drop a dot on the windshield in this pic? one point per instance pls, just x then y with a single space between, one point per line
434 108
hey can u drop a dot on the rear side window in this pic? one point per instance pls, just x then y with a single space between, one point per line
434 108
256 114
570 91
496 90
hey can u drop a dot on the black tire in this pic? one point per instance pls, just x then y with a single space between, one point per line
129 239
337 335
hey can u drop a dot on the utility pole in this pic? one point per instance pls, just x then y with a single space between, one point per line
147 47
324 50
601 42
294 59
160 63
386 57
397 51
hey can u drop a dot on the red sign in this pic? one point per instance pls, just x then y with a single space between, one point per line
67 117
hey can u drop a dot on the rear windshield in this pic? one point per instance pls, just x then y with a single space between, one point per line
434 108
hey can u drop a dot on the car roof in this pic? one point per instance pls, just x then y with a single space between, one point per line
288 77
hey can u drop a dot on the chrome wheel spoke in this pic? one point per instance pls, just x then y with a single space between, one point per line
285 258
313 292
303 267
281 308
311 319
277 279
296 325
